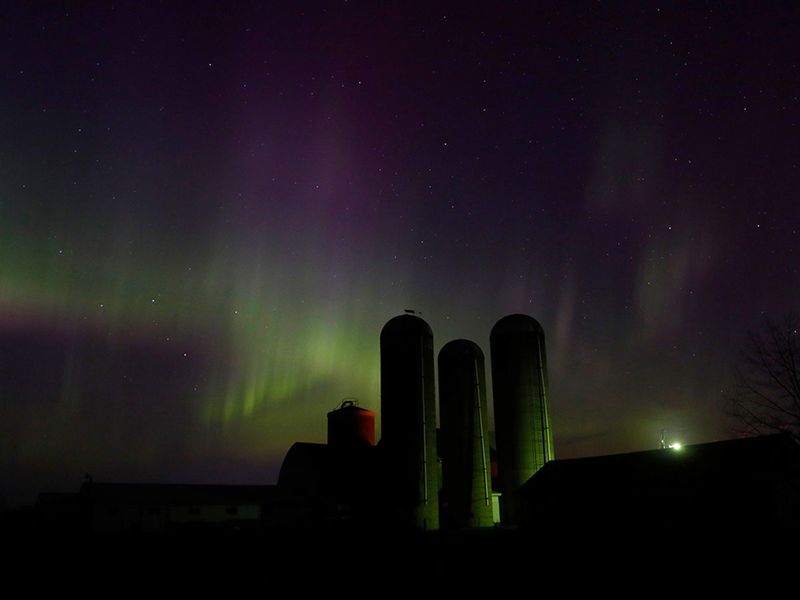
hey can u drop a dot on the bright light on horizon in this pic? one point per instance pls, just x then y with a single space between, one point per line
676 446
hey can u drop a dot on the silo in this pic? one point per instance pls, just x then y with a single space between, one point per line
522 424
351 426
467 484
408 421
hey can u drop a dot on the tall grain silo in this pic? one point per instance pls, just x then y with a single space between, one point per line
466 469
522 423
408 421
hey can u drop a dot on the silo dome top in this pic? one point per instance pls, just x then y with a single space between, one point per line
406 325
461 348
517 324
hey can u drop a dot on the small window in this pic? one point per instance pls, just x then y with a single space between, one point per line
233 510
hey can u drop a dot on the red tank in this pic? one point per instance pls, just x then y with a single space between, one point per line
351 425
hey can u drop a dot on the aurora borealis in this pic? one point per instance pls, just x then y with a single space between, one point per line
209 210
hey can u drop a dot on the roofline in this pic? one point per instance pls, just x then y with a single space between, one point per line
748 439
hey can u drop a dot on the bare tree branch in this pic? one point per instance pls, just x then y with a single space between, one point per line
766 394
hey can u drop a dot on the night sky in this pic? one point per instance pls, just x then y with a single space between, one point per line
209 210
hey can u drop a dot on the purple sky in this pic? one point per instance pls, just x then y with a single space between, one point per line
209 210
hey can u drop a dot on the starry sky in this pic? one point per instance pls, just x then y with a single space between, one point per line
209 210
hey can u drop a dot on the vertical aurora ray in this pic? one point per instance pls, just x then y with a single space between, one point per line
269 365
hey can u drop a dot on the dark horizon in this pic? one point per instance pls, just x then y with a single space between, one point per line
207 216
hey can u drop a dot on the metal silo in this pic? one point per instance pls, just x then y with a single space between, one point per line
466 469
408 421
522 424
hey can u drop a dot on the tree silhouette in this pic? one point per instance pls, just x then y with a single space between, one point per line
766 393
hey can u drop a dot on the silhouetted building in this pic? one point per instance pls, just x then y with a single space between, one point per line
333 484
141 507
743 485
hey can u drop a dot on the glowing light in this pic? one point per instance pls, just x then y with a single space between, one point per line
676 446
